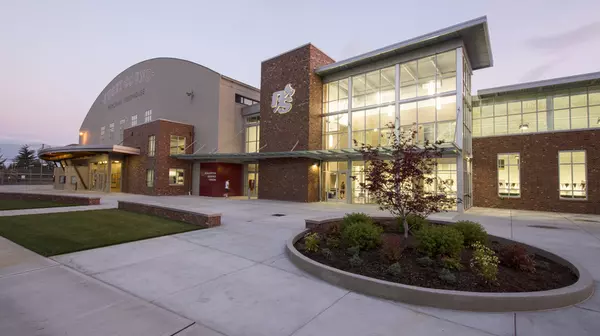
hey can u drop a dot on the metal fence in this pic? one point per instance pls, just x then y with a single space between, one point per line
26 176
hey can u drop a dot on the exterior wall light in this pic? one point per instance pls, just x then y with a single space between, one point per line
80 133
523 127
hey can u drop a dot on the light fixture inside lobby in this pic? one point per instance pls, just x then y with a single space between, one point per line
598 121
524 127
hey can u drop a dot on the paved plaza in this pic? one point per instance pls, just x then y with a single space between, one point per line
236 280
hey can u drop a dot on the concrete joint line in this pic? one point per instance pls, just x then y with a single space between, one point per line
321 312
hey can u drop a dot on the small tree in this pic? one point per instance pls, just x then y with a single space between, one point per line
25 158
401 177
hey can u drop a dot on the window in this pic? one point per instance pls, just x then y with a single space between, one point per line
148 116
577 108
176 176
252 138
111 130
121 128
572 174
177 145
509 175
244 100
102 131
150 178
335 96
151 145
133 120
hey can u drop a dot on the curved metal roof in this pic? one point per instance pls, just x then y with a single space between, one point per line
474 34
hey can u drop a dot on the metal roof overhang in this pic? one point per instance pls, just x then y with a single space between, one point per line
473 33
319 155
83 151
592 78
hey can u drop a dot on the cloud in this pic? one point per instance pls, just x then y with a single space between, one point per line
539 71
568 39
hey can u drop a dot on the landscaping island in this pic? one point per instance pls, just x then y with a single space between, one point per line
458 262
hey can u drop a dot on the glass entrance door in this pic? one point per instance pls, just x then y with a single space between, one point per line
336 186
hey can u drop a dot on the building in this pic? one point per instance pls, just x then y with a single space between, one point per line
168 127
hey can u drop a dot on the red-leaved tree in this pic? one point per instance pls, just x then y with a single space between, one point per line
401 177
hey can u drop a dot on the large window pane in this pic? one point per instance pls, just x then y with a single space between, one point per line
500 108
487 108
426 110
408 114
500 125
579 118
387 116
572 175
529 123
594 95
388 85
372 88
561 102
579 98
561 119
509 179
446 131
426 132
408 80
514 107
358 120
487 126
372 118
542 121
426 71
446 63
514 124
358 90
446 108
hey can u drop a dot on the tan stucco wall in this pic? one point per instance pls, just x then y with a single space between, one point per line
231 122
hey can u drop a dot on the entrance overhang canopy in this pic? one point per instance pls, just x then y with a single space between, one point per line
319 155
82 151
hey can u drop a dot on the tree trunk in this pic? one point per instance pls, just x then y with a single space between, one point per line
405 223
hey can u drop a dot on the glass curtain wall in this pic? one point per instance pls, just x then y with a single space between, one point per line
420 93
252 134
577 108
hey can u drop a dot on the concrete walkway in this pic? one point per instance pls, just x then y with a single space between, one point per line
236 280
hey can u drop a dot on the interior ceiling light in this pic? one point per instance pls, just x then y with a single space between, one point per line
523 127
598 122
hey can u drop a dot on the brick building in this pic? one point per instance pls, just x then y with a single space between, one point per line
172 127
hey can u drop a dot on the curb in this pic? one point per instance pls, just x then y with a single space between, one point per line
450 299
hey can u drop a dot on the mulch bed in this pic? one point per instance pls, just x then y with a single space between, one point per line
508 279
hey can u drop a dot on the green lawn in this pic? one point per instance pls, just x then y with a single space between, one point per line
58 233
32 204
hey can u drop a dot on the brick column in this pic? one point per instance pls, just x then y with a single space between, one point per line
291 179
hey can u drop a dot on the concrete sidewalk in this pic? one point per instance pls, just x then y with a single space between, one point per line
40 297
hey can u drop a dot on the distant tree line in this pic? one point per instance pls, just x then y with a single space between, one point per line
27 158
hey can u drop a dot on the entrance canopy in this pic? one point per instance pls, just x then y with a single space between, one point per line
320 155
83 151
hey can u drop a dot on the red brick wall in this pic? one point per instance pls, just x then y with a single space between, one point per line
134 167
214 175
539 170
291 179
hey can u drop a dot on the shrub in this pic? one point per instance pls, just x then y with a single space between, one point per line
452 263
391 247
364 235
447 276
395 269
439 241
415 223
311 242
333 242
353 250
484 261
472 232
516 256
355 261
333 230
327 253
425 261
356 217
